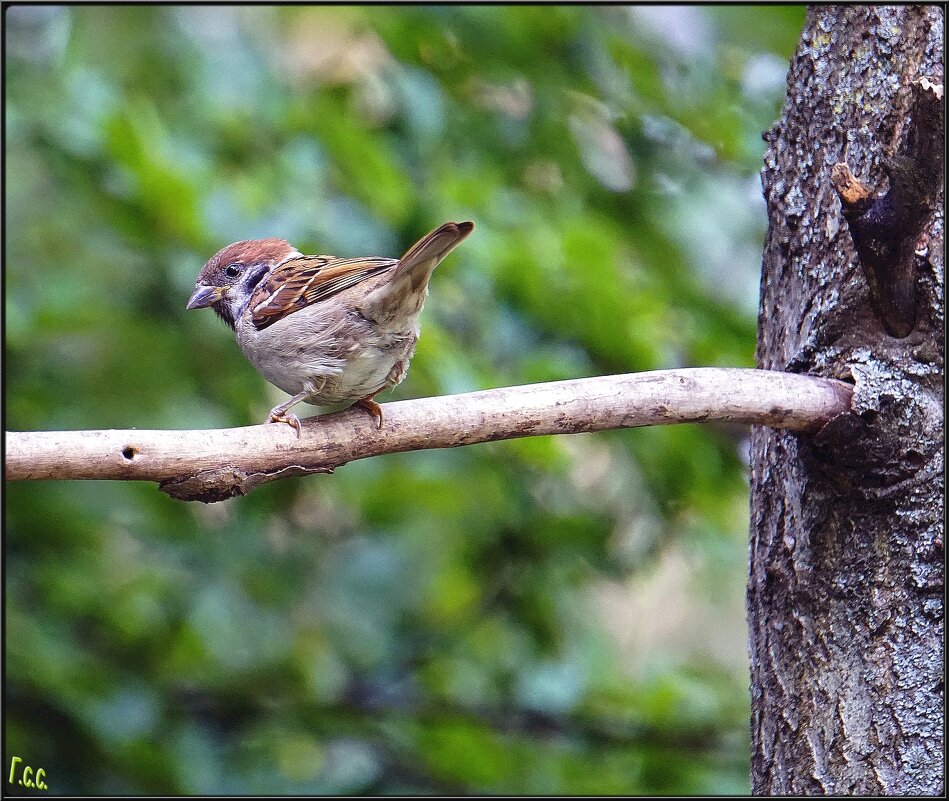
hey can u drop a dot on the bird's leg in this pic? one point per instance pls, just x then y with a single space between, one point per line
372 407
396 374
279 413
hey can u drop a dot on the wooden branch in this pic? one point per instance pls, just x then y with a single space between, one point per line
216 464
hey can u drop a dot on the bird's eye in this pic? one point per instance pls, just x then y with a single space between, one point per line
232 270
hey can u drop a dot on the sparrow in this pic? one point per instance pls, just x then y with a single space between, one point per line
323 329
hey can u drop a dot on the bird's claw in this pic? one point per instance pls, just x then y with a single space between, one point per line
373 408
283 417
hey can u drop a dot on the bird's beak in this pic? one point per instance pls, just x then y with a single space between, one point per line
204 295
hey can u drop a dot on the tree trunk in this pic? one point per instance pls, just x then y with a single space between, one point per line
845 596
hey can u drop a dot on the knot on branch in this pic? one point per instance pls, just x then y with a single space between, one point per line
886 227
864 450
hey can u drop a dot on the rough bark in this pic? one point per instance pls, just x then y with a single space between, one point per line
845 596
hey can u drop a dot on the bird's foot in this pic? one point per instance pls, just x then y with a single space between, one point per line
373 408
280 416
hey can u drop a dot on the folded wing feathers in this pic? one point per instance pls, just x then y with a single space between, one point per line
290 288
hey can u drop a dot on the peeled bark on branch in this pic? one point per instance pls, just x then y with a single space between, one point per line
218 464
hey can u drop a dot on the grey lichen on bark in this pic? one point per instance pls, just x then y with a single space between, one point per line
846 585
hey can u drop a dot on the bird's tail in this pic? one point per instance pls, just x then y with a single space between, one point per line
433 247
403 294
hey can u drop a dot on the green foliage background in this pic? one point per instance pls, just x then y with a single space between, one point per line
552 615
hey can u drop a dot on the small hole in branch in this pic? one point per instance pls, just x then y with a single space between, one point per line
129 453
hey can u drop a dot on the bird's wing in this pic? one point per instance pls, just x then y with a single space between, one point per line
305 280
